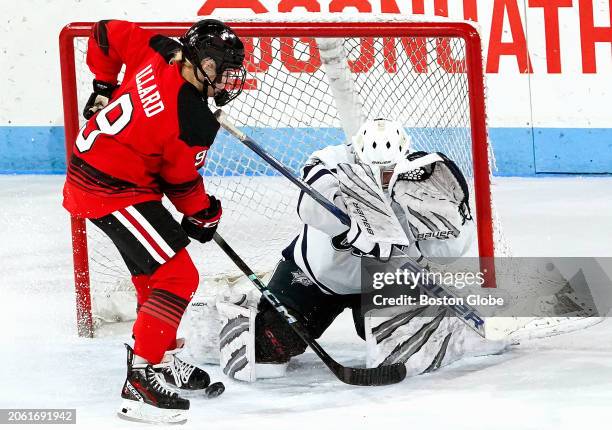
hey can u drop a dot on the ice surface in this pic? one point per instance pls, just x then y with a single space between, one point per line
564 382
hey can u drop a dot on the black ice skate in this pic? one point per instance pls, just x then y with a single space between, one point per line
180 374
147 397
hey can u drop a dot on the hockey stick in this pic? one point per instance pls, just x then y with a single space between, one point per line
466 313
382 375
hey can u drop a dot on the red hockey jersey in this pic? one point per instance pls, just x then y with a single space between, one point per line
150 139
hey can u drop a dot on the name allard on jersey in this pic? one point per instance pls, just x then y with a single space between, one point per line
149 95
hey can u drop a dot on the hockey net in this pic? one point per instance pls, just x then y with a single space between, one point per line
308 85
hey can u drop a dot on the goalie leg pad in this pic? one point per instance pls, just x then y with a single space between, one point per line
424 339
203 319
202 329
237 345
237 341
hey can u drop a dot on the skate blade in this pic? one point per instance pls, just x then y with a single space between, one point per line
141 412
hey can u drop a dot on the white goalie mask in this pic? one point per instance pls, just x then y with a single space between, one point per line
381 143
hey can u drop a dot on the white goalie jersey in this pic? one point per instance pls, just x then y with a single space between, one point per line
321 250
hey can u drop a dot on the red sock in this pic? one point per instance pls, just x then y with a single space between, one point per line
171 287
143 291
153 337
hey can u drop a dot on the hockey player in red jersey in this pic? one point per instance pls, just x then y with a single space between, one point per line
146 137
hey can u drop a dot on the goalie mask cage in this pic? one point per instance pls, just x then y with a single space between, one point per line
309 85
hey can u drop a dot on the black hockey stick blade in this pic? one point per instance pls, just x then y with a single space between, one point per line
376 376
373 376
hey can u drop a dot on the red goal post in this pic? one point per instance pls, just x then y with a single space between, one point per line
393 29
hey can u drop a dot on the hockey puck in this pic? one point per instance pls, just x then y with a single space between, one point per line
214 390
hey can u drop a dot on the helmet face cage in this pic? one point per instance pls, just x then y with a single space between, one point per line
210 38
233 78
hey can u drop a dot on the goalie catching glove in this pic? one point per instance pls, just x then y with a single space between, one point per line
102 93
202 225
433 194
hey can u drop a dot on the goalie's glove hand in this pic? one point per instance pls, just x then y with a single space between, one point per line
102 92
365 246
434 197
202 225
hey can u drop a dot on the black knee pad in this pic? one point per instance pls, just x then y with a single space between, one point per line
275 340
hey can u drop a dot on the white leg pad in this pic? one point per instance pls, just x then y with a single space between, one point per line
203 322
203 327
237 341
423 340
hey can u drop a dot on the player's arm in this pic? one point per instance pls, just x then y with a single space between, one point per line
434 196
183 157
111 44
322 179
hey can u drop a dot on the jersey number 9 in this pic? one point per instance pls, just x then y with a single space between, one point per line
105 126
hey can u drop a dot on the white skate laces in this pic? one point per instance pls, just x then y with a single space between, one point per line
159 383
180 370
181 374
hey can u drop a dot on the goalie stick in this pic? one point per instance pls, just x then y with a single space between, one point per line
382 375
466 313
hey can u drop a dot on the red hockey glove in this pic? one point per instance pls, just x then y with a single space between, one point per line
102 92
202 225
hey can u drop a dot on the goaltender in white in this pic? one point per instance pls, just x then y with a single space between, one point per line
415 200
